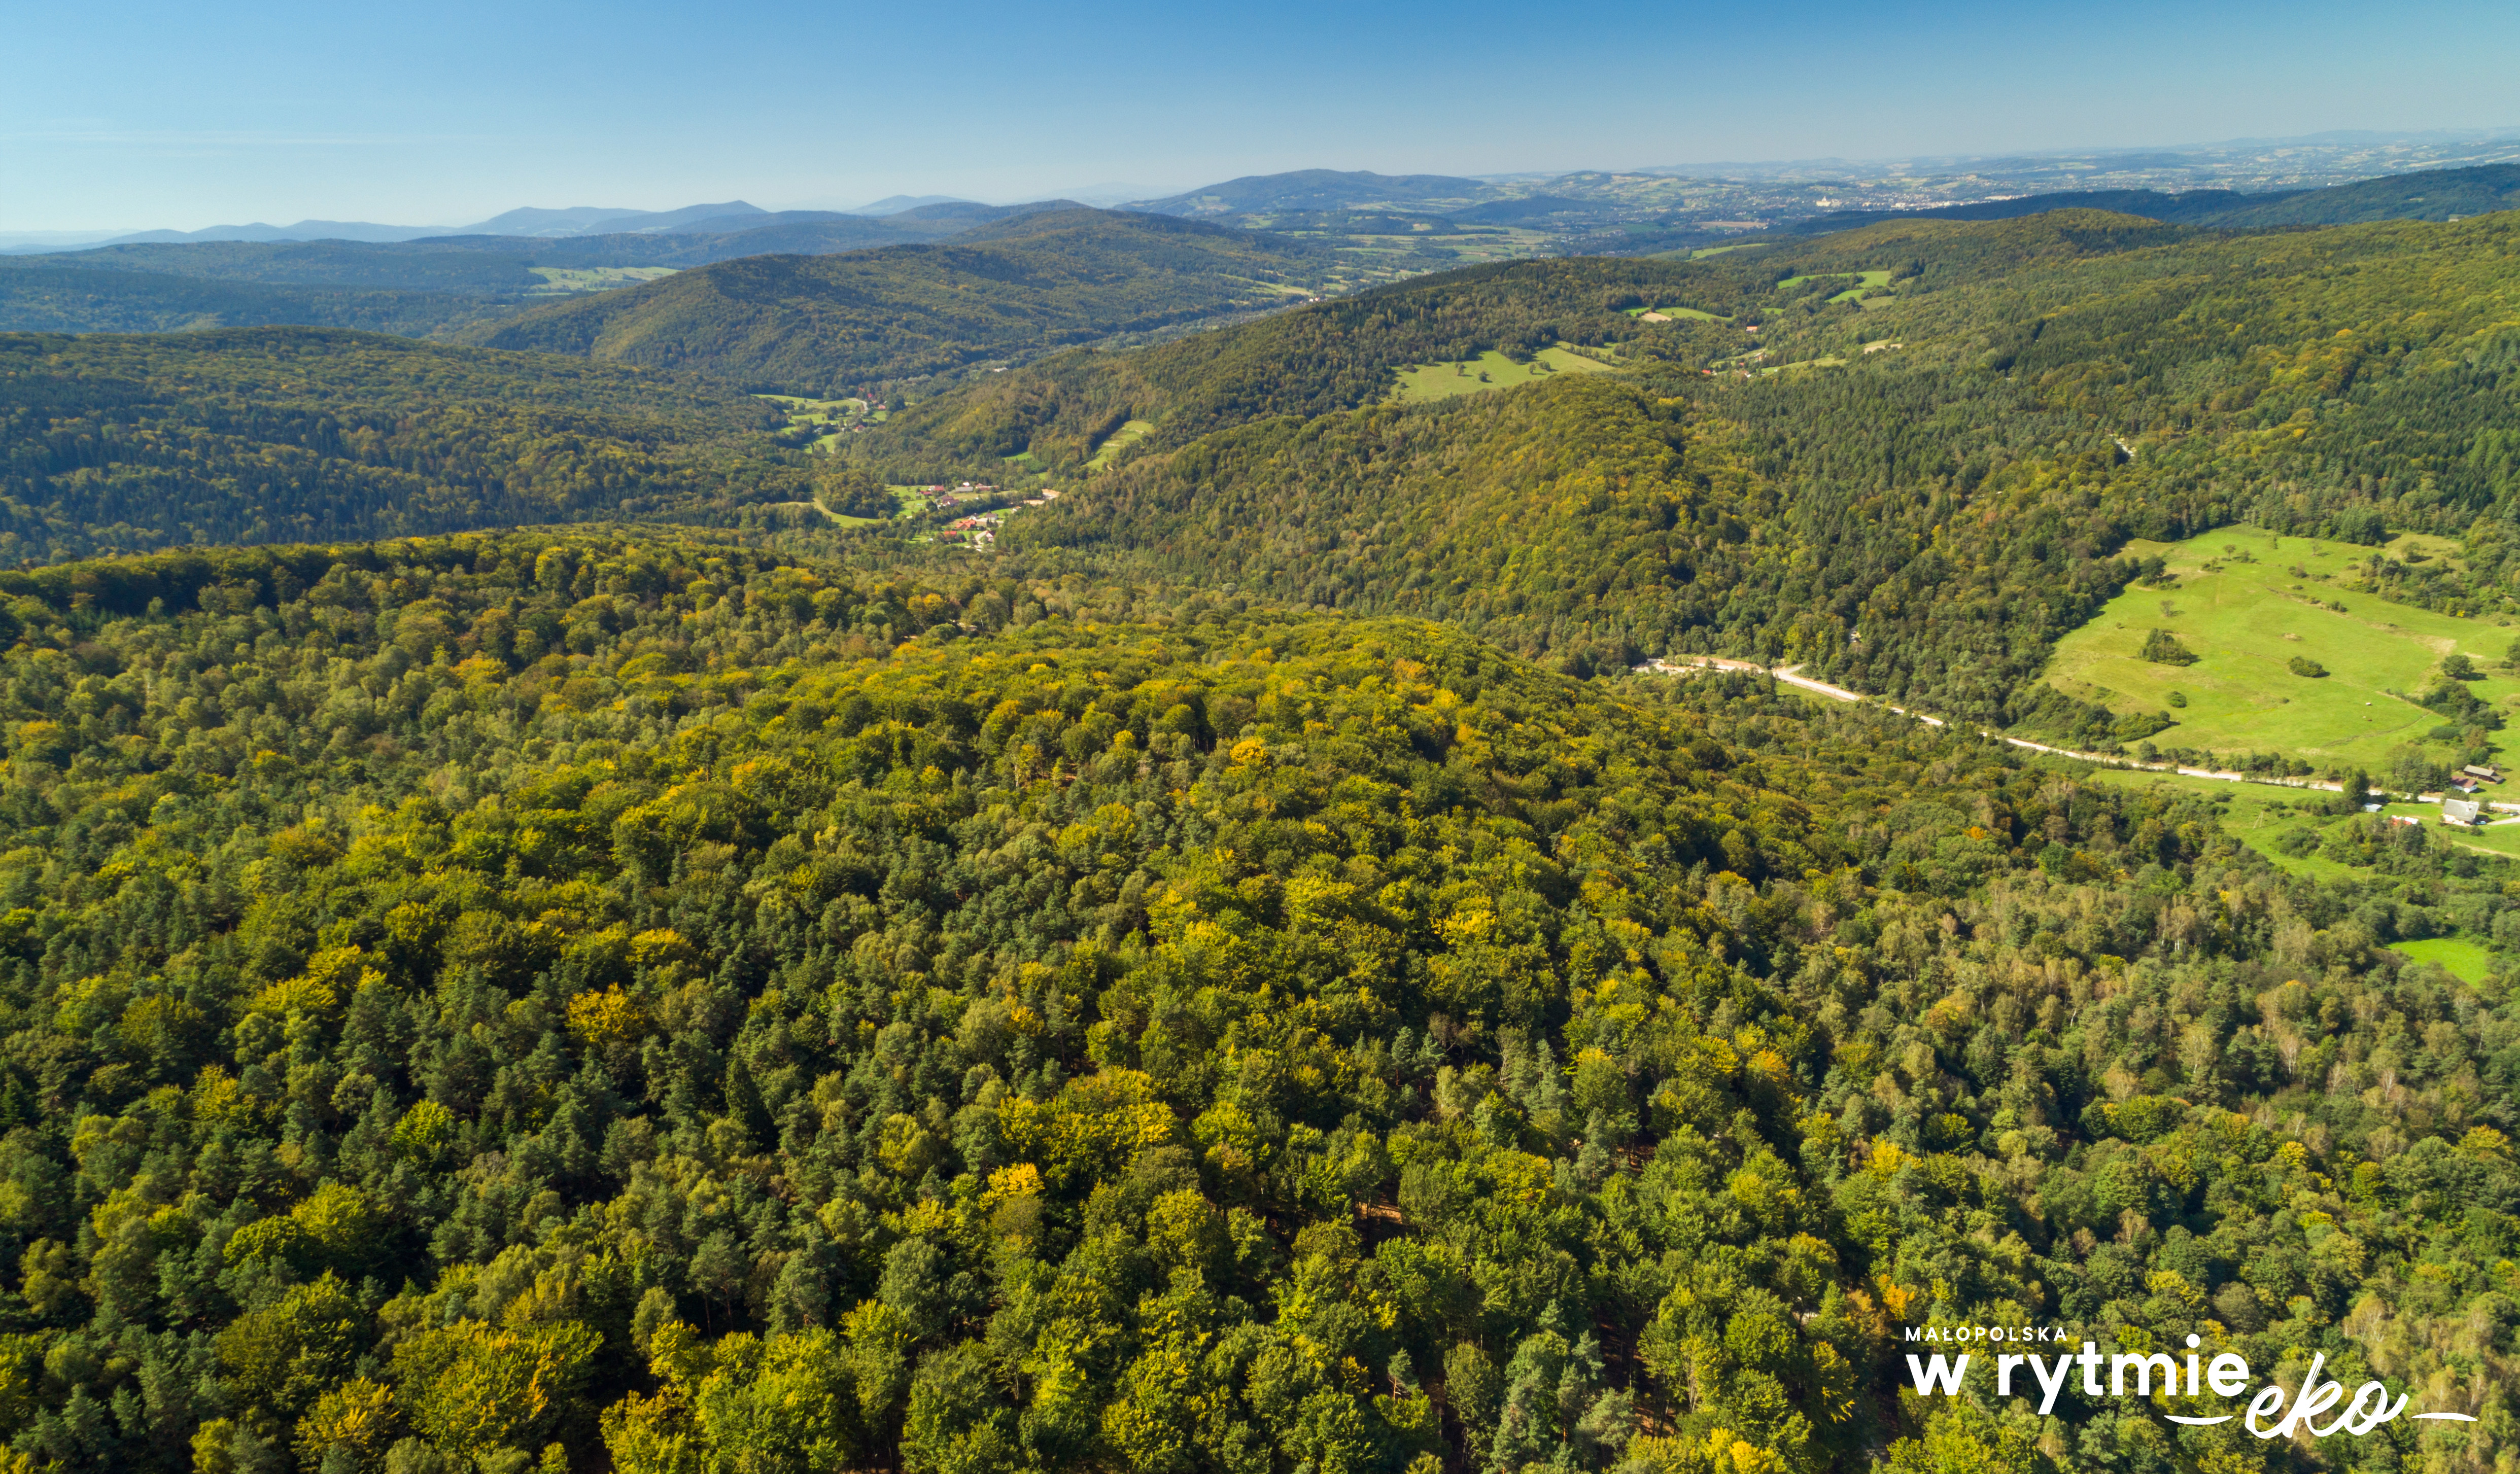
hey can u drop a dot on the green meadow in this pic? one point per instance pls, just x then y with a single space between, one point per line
2286 826
834 415
2463 958
2248 603
2257 814
1682 312
1489 370
1864 281
558 280
1120 439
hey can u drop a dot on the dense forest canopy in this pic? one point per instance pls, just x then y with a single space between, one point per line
519 1001
75 299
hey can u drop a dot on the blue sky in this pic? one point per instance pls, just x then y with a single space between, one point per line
163 115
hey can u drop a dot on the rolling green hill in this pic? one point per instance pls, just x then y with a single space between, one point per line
1334 355
808 324
113 444
1350 352
2424 195
1925 522
453 266
684 248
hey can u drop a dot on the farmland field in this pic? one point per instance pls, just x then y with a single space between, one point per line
1489 370
2248 603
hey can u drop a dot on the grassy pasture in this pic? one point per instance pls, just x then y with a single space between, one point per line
1691 313
833 414
2262 815
1864 281
1119 440
2247 602
1489 370
561 280
2463 958
2254 813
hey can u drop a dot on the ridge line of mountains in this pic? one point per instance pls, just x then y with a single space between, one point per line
817 303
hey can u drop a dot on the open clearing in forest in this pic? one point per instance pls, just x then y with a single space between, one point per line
2284 824
559 280
2256 814
1677 312
2247 602
1864 281
1489 370
832 415
1119 440
2463 958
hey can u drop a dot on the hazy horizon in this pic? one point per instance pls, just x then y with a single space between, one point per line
340 115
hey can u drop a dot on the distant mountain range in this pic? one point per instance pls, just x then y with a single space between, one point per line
1587 208
2422 195
893 205
578 220
1318 189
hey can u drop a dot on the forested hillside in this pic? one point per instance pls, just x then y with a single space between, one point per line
127 444
68 300
483 266
502 1003
1343 353
1597 522
1331 356
1923 520
817 324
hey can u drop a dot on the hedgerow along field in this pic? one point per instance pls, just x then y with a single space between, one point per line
2248 603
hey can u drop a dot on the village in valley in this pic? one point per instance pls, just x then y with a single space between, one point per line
977 529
